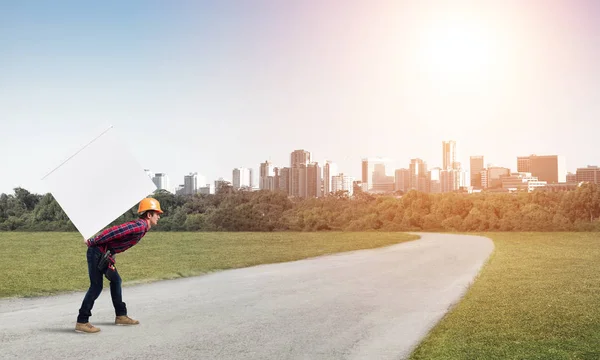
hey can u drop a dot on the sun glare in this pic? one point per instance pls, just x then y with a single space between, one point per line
457 52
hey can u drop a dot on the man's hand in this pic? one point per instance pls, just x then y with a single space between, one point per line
85 241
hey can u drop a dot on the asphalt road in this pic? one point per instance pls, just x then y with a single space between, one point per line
367 304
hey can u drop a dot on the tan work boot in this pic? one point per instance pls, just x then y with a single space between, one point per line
86 328
125 320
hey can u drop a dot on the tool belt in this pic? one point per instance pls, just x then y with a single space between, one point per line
104 261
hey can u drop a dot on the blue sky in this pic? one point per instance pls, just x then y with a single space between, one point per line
199 86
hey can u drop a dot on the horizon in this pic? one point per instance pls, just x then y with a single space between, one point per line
211 87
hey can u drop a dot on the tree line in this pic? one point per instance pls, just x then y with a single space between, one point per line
240 210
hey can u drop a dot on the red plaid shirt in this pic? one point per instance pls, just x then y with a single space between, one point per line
120 237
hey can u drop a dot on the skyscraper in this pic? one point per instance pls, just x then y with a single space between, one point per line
523 164
161 180
342 182
329 171
190 184
402 180
549 168
476 168
298 163
375 177
449 155
285 176
241 178
266 170
313 180
418 175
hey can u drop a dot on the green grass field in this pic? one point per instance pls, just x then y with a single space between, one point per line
538 297
48 263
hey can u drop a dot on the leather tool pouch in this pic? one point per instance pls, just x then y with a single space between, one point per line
104 261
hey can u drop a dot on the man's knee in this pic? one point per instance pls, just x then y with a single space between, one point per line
113 276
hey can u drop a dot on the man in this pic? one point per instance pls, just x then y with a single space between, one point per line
101 261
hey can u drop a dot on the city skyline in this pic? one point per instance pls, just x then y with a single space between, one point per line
208 87
452 178
174 183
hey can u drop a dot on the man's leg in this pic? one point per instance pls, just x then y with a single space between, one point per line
116 292
96 282
117 298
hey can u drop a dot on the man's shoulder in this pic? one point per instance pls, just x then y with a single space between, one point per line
136 223
129 225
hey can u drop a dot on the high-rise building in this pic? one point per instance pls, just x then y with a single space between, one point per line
477 166
495 175
402 180
190 184
589 174
549 168
523 164
298 163
342 182
220 183
266 170
241 178
329 170
375 178
161 180
251 180
449 155
435 180
206 190
285 176
418 175
313 180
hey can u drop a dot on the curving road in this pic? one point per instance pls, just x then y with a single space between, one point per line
367 304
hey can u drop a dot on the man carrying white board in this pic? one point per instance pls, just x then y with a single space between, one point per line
101 262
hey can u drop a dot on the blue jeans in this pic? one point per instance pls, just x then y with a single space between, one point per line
96 282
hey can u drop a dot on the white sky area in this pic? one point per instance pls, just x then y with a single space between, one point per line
208 87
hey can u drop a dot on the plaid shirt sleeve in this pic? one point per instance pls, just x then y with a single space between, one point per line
116 232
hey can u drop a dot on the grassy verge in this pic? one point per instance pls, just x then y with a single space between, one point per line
47 263
537 298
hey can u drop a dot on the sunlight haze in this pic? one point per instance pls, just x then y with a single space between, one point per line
207 87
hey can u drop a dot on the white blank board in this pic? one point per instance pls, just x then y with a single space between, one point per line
99 183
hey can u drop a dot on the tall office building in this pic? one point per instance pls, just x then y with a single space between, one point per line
241 178
285 176
313 180
449 155
418 175
190 184
589 174
298 162
549 168
342 182
402 180
266 170
523 164
161 180
494 176
475 170
375 177
252 182
329 170
435 180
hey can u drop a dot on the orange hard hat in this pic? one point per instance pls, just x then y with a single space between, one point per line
149 204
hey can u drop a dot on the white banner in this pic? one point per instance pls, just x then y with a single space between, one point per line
99 183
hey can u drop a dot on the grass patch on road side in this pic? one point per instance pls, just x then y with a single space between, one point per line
538 297
47 263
